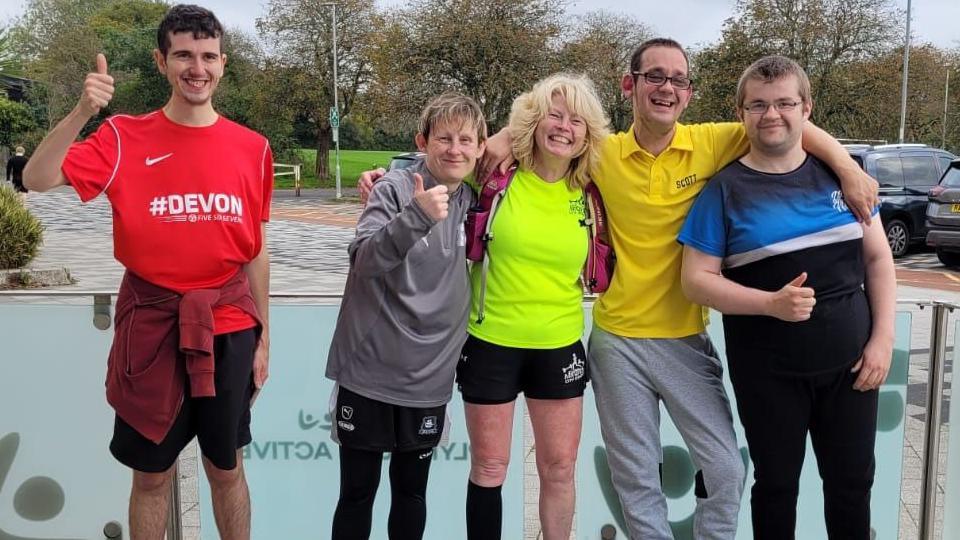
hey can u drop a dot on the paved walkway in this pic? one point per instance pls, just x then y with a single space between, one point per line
308 238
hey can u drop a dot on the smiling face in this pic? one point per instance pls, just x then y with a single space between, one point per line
774 133
561 134
452 150
193 67
658 107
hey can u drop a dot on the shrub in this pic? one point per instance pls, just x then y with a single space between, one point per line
20 232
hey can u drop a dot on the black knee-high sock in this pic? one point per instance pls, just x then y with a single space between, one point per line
484 512
408 488
359 479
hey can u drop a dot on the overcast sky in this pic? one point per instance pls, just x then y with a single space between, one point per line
691 22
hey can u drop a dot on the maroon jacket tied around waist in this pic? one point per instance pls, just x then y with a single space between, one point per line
161 339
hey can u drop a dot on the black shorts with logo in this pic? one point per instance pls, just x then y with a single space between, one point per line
220 423
367 424
489 374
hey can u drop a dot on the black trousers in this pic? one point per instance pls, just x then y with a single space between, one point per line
777 413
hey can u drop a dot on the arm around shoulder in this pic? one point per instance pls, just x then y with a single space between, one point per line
860 191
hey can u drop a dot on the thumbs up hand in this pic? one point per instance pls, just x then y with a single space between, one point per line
793 302
432 201
97 89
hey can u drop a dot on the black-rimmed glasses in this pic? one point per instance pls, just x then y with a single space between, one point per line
659 79
760 107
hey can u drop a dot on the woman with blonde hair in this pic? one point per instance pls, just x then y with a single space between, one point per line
525 328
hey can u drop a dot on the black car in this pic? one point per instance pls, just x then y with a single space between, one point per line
404 160
943 217
906 173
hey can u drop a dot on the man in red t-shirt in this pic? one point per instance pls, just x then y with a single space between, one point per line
190 192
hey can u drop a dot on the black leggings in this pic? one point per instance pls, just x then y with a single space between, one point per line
777 412
359 479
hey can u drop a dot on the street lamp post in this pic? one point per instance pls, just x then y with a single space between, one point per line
335 113
946 100
906 72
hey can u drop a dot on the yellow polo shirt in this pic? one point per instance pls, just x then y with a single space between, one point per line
647 198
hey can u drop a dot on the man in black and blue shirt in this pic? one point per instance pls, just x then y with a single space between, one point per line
808 297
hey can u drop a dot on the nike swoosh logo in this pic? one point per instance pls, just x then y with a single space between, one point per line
153 161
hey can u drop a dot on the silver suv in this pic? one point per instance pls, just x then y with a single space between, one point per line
943 216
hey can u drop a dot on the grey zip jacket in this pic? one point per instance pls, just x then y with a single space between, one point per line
404 313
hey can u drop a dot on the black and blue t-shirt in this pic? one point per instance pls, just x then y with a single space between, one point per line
767 229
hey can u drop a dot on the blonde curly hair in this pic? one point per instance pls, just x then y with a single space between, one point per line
581 99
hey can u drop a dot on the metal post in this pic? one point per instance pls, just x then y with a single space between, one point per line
946 99
931 454
101 311
906 73
296 178
174 526
336 104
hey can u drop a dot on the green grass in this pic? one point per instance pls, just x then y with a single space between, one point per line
352 163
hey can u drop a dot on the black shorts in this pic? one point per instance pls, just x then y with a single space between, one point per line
489 374
367 424
221 423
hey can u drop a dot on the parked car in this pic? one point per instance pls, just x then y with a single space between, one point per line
943 216
404 160
906 173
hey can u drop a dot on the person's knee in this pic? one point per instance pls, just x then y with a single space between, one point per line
779 484
489 471
853 483
144 482
726 475
223 477
557 471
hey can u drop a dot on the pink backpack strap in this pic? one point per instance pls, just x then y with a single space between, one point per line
598 270
494 189
494 186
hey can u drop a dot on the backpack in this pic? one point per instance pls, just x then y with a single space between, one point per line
598 269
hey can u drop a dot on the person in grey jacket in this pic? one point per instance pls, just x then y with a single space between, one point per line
401 326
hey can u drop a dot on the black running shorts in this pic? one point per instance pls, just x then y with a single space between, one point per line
221 423
489 374
367 424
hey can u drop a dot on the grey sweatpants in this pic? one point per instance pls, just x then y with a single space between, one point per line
630 377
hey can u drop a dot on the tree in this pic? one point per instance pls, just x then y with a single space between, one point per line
925 93
127 32
243 77
46 21
299 33
490 50
16 123
824 36
59 40
601 47
9 59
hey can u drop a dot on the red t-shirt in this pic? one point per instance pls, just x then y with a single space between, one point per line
188 202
